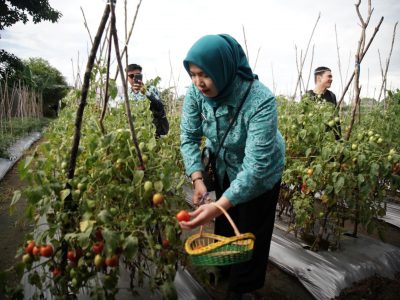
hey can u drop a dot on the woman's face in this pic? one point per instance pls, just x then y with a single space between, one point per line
201 80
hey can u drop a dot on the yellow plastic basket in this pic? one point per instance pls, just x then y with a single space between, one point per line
207 249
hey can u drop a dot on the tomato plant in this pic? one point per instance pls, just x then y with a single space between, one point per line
328 180
120 211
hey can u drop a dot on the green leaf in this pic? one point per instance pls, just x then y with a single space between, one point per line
15 198
64 194
86 225
19 268
170 234
131 246
360 178
328 189
138 176
308 152
113 91
151 144
111 239
158 186
104 216
84 239
374 171
28 161
339 184
317 169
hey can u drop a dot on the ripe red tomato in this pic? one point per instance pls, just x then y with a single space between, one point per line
36 250
111 261
46 251
183 215
72 256
56 272
29 247
98 247
165 243
305 189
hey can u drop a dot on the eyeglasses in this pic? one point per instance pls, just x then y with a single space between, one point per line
131 76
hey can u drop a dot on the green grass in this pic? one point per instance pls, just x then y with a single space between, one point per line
11 131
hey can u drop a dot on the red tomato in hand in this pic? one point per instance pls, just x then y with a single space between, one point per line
183 215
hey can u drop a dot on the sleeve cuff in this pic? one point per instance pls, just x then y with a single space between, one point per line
194 168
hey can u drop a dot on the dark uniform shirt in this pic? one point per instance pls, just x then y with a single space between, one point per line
328 96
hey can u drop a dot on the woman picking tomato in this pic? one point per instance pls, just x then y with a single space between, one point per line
251 161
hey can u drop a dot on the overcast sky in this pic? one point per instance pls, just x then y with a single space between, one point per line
165 30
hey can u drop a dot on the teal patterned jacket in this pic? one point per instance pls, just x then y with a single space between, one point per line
253 154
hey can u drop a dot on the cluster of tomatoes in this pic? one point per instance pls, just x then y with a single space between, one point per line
33 251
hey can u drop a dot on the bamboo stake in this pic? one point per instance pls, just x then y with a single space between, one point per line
384 74
103 113
123 79
310 71
255 63
273 79
305 56
85 88
361 58
339 62
245 43
129 35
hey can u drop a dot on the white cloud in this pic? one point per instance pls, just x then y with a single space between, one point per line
166 29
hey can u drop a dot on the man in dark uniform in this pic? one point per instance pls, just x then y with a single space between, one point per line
323 81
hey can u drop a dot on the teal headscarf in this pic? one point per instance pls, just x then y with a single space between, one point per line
222 58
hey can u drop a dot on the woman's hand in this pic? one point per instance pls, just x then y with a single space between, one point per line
199 191
203 215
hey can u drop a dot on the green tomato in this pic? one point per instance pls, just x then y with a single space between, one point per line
74 282
148 186
113 211
331 123
354 146
392 151
26 258
379 141
370 133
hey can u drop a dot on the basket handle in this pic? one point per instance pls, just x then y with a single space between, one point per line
235 229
